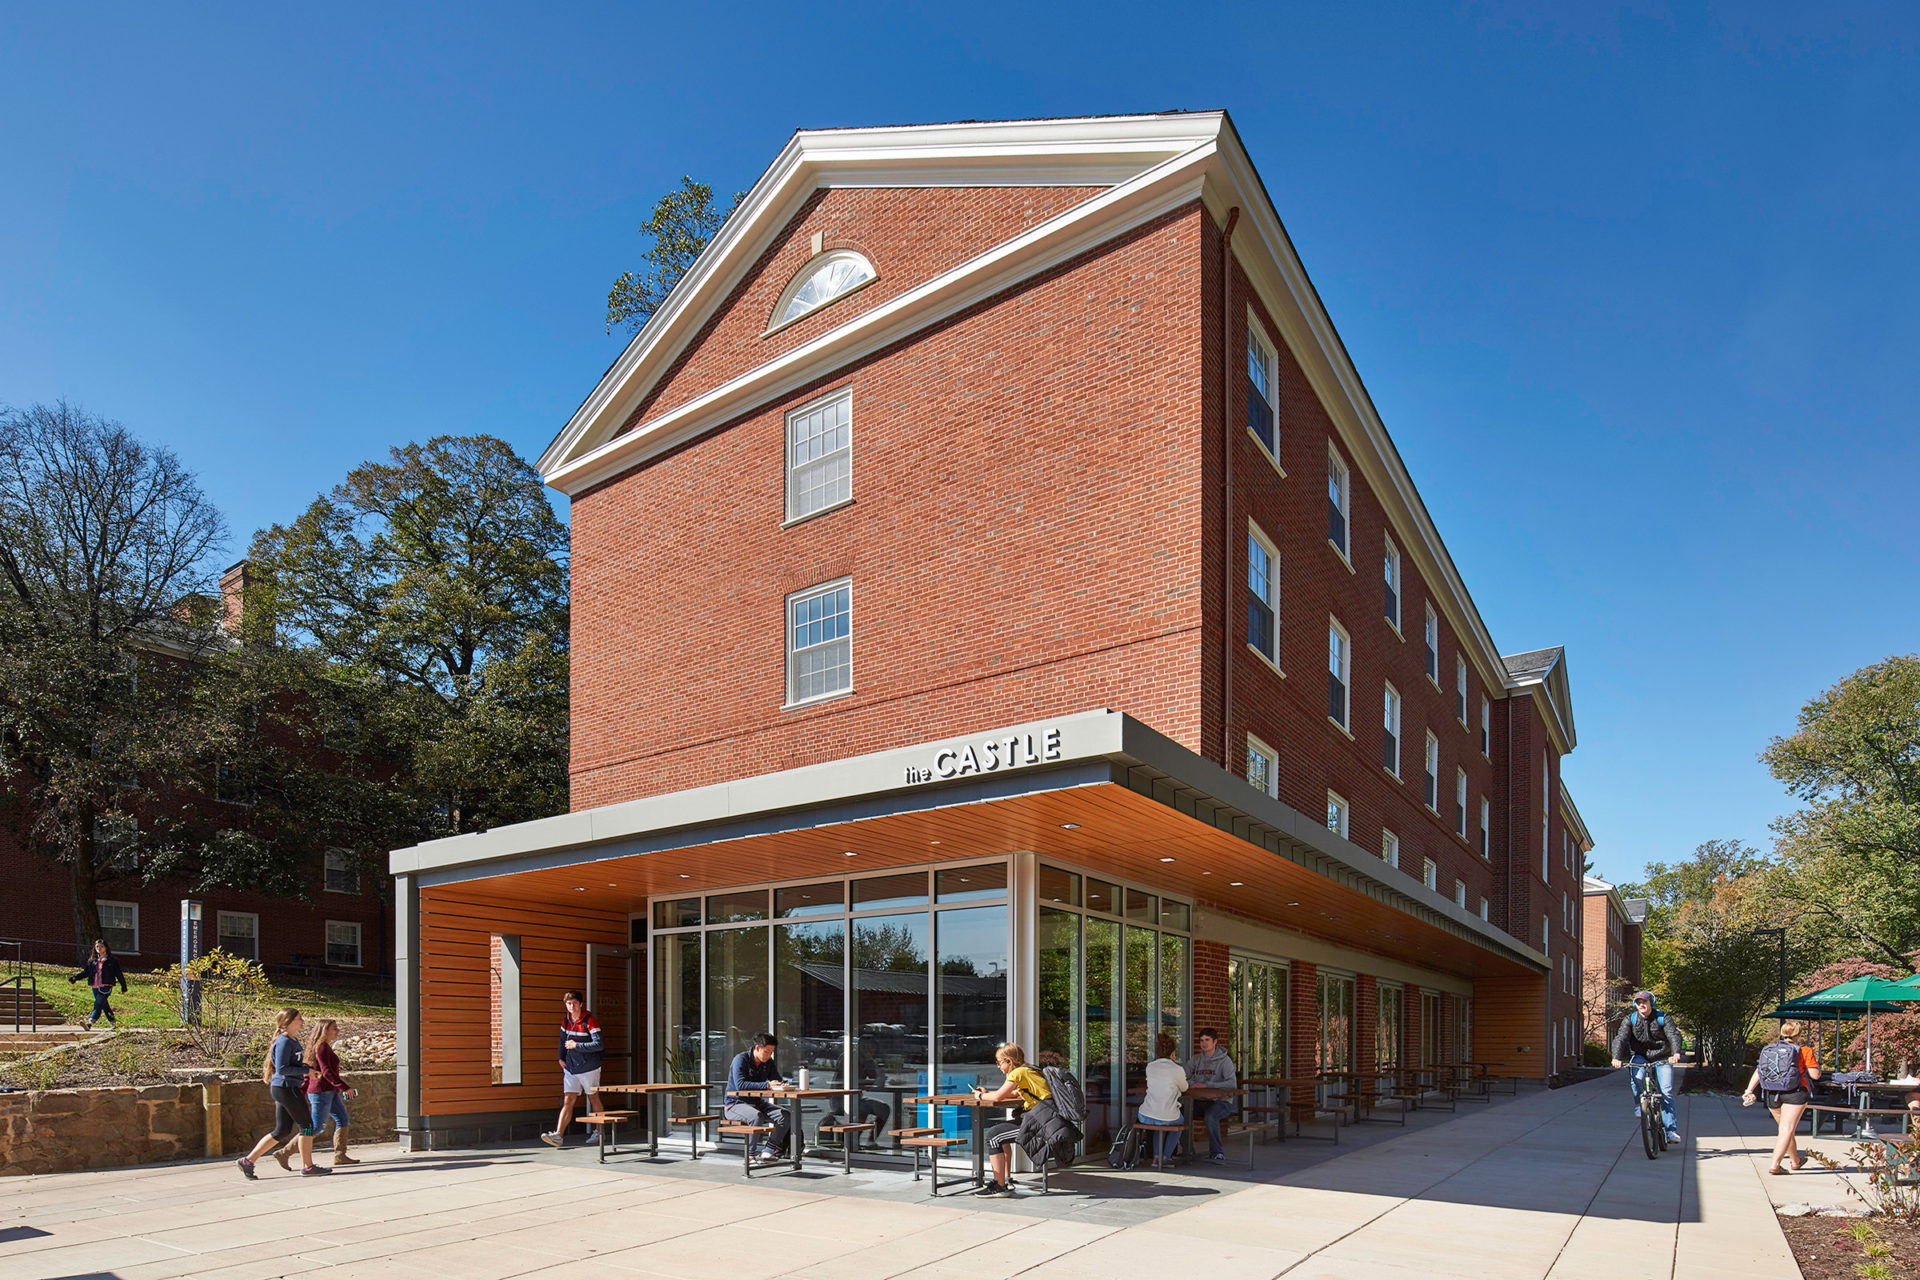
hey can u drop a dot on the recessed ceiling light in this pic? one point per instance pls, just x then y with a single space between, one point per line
849 854
1166 859
1069 826
1236 883
933 842
1206 873
579 888
685 876
1293 904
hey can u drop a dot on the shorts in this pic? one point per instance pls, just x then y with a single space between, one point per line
585 1082
1772 1098
1002 1133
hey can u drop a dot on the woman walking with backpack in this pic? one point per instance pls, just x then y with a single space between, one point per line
285 1075
1781 1076
327 1093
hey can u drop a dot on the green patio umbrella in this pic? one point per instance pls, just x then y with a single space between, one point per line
1861 995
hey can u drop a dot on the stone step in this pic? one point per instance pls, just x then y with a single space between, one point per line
32 1010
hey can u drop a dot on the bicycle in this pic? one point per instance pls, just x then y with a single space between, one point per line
1653 1125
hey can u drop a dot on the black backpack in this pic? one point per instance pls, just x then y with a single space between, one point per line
1069 1099
1779 1066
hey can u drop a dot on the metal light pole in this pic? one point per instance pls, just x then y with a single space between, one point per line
189 952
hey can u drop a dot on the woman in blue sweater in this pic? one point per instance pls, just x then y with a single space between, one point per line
285 1073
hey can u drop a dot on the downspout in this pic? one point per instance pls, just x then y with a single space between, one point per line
1226 490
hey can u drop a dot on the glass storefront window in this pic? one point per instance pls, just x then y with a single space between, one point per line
809 1009
970 884
677 914
889 1012
810 900
1142 908
1388 1005
1102 896
1141 990
1059 991
736 995
880 892
1062 887
676 987
1175 915
1106 1095
1173 981
971 982
731 908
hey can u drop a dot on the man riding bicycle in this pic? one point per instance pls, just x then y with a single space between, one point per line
1648 1039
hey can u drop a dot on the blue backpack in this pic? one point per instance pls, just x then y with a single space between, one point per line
1779 1066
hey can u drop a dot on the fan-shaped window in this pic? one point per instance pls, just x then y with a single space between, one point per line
827 277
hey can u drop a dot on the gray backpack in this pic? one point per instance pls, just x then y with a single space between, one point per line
1779 1067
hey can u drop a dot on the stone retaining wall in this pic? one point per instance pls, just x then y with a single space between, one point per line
53 1130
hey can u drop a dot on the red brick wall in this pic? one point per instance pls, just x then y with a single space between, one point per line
1025 491
1212 1001
1303 1043
909 234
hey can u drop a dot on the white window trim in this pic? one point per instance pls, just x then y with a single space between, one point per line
1255 743
359 944
1486 728
1271 350
1338 803
812 267
1392 713
1460 894
786 455
1390 849
1399 587
1346 505
219 932
110 902
1259 535
786 641
1486 829
1430 768
1430 874
1460 703
1460 802
352 865
1346 675
1486 910
1431 638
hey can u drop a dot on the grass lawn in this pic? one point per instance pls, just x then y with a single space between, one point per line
149 1002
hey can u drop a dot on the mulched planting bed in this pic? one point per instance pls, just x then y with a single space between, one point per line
1827 1248
143 1056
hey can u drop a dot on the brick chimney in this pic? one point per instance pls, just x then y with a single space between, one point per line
233 597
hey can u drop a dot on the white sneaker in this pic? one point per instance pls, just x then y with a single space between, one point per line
1673 1135
593 1139
553 1139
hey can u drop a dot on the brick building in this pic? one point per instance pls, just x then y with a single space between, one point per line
1000 612
1611 959
344 928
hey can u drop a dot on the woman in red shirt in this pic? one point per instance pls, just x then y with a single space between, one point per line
1790 1103
327 1093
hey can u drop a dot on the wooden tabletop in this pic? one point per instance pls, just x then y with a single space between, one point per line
1212 1091
795 1093
646 1088
956 1100
1275 1082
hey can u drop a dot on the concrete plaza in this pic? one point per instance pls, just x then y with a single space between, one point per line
1546 1184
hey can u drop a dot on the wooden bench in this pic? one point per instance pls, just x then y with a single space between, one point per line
1277 1112
933 1144
1299 1112
610 1134
748 1134
847 1132
1141 1126
1367 1105
1241 1129
693 1130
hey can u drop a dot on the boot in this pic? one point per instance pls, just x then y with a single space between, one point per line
340 1155
283 1153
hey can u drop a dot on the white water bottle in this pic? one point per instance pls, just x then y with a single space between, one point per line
806 1078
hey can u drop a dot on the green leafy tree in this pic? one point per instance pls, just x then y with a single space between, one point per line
109 624
419 615
1854 848
1670 887
681 225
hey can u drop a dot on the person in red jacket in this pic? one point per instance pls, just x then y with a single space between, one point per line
327 1093
581 1047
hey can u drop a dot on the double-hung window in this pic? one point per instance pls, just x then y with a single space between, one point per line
1391 607
119 924
342 872
1485 910
820 642
1429 873
1263 595
1263 766
1390 749
240 933
1390 848
1339 672
1338 494
1460 803
343 943
1336 814
1486 727
820 455
1433 645
1460 893
1433 772
1262 390
1486 828
1460 689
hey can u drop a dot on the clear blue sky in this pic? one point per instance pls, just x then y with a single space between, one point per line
1636 291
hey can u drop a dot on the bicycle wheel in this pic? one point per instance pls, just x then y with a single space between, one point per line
1649 1122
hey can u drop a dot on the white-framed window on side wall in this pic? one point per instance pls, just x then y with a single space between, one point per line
820 455
1486 828
343 944
1460 894
342 871
1546 788
1263 594
1339 501
820 642
1390 849
1430 874
1486 728
1460 689
1391 605
1432 795
1432 636
1390 741
1336 813
240 933
119 924
1263 766
1485 909
1460 803
1339 675
1263 384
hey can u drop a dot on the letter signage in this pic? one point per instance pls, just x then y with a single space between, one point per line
988 755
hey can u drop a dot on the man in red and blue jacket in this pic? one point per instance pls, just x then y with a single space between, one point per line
581 1048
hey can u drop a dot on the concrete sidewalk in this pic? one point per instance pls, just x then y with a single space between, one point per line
1551 1184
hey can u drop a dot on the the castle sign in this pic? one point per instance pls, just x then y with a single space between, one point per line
989 755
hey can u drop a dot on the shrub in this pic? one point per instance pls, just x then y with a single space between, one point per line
234 998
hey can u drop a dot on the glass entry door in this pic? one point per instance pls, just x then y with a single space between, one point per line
610 985
1257 990
1336 1051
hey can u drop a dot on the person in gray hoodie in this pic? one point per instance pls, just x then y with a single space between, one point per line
1211 1068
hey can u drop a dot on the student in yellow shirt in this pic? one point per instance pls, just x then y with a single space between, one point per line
1029 1088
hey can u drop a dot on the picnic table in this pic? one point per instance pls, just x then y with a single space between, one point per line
647 1093
978 1126
792 1098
